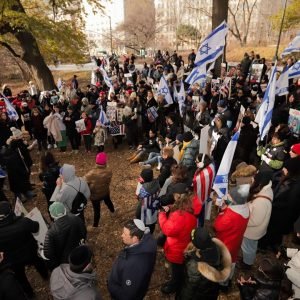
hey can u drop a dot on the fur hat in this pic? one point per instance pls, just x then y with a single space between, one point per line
79 258
243 173
101 159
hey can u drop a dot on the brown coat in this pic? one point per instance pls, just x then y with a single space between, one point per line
98 180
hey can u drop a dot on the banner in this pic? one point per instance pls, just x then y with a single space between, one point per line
204 140
294 121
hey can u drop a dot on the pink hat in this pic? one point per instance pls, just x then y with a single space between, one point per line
101 158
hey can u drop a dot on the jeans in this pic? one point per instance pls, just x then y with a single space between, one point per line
97 208
249 248
153 158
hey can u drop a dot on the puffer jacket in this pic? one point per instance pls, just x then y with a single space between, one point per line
63 236
67 285
98 180
189 154
260 212
201 279
177 226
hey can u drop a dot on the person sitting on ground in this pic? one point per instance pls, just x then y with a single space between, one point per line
207 263
76 280
99 179
148 202
131 272
166 164
65 233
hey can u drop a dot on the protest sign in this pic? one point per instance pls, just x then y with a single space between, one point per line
80 125
294 122
256 73
204 140
20 210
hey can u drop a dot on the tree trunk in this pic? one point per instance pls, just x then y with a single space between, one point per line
33 58
219 14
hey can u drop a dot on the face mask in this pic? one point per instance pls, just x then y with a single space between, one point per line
253 93
200 165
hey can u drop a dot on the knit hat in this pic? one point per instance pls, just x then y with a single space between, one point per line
187 136
179 188
79 258
179 137
101 159
222 103
147 175
5 209
16 133
296 149
201 238
240 193
57 210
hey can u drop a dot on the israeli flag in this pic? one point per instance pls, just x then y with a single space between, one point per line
293 46
181 98
212 46
294 70
103 118
105 77
163 89
221 181
11 112
198 75
264 114
282 84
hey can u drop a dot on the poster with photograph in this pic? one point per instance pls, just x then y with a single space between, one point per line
120 114
215 84
111 112
294 122
80 125
256 73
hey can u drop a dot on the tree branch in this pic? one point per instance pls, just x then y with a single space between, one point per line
10 49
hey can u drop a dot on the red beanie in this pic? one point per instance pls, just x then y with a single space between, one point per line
101 158
296 149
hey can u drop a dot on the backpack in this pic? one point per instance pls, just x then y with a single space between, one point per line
79 203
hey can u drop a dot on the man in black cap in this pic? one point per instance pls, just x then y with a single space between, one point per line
76 280
131 273
207 262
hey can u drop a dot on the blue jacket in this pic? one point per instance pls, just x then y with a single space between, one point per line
131 272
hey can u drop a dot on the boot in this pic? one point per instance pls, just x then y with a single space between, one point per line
136 159
132 156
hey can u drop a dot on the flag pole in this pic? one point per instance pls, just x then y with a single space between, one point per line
280 31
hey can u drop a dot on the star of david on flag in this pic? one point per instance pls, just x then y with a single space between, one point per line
212 46
163 89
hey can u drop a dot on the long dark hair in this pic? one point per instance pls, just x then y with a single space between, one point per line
261 179
47 159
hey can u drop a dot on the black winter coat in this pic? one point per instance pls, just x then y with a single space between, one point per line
63 236
131 273
49 178
16 239
9 287
5 132
165 170
70 124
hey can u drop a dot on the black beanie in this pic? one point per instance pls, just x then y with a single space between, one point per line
147 175
201 238
187 136
79 258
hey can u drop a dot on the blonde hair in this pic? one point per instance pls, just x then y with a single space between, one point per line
168 151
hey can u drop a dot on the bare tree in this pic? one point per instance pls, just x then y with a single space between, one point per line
240 28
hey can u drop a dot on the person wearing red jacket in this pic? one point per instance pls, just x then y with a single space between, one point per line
177 222
87 133
231 222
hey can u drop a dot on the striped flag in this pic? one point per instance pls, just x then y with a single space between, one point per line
11 112
225 88
203 182
105 77
282 84
163 89
293 46
294 70
221 181
198 75
264 114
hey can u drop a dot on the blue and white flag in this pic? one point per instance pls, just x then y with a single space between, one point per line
212 46
294 70
264 114
163 89
221 181
198 75
282 84
181 98
293 46
103 118
11 112
105 77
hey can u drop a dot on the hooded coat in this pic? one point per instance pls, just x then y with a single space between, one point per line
131 272
71 185
68 285
202 278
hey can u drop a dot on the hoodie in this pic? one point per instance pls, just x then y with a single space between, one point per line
131 272
67 192
67 285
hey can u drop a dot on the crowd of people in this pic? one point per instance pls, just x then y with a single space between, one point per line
261 208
